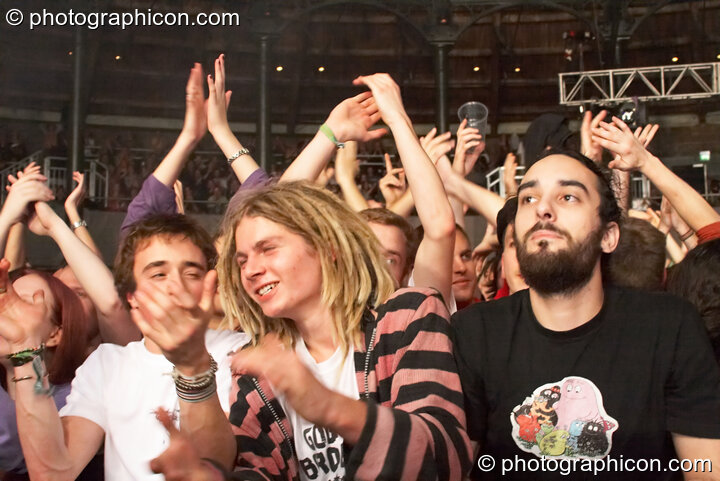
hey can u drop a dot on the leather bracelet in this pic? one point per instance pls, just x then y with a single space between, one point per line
238 154
687 235
80 223
24 378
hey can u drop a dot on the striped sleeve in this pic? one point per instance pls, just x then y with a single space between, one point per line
417 430
262 451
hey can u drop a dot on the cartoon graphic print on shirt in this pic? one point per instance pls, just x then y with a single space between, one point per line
564 419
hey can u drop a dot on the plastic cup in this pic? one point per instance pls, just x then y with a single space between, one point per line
476 114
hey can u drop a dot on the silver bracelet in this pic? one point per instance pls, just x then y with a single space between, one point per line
237 154
80 223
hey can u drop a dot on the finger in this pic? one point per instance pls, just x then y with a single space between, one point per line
651 135
397 171
153 313
228 94
208 292
462 125
220 72
12 179
39 297
388 164
598 118
4 279
374 134
430 135
623 126
148 330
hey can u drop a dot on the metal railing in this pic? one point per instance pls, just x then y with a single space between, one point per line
644 83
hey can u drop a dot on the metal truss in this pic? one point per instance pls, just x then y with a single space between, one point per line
672 82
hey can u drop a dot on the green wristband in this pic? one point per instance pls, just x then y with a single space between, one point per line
25 356
331 136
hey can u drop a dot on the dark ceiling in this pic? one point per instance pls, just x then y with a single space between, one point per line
506 54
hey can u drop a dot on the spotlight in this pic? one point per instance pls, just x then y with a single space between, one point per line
321 69
70 52
118 57
633 113
476 69
674 59
279 68
517 69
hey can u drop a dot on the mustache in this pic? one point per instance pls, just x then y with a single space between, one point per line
545 226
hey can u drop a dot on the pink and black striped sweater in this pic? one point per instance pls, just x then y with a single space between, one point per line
406 373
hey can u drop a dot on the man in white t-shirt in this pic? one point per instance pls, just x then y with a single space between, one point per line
162 270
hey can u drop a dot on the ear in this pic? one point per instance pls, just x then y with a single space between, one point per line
610 238
55 338
131 300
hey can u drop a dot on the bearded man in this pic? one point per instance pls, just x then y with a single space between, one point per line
624 377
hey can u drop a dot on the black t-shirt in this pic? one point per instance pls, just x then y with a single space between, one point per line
613 388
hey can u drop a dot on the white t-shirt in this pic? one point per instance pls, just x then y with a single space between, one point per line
120 387
319 451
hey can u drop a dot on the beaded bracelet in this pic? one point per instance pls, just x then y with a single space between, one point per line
196 388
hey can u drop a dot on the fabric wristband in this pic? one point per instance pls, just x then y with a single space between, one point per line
331 136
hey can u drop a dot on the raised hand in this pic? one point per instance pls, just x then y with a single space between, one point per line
279 364
630 153
31 168
42 218
219 99
392 184
436 146
180 461
174 320
25 190
352 118
589 147
509 170
386 95
22 321
76 197
468 149
195 124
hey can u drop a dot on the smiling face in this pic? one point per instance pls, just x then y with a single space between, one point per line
558 232
279 270
170 264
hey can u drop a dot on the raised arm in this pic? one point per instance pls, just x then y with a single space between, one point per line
51 451
346 168
174 320
351 119
241 162
433 262
95 278
486 202
23 192
193 130
632 155
72 205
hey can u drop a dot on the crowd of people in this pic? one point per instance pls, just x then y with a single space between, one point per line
319 336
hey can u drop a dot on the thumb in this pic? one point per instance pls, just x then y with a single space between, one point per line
209 289
228 94
39 297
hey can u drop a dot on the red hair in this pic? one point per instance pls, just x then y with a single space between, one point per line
67 314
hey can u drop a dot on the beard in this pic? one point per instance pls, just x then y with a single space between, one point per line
563 271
